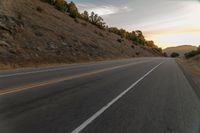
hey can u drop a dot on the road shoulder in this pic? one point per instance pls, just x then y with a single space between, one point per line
192 74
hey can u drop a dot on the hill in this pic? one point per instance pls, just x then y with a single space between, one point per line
33 32
180 49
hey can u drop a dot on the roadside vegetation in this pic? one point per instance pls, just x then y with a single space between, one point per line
175 55
71 9
191 65
193 53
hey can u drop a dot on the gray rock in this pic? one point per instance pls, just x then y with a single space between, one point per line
36 55
64 43
4 44
39 49
6 36
51 45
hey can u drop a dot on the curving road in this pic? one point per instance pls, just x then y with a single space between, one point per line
143 95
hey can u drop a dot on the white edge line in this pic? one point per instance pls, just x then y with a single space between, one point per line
98 113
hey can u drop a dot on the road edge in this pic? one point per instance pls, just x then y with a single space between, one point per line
188 76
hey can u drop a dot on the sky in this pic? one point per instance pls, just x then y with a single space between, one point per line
166 22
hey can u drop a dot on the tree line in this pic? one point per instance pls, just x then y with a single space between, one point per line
136 37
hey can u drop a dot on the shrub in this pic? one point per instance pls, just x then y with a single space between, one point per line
97 20
165 54
193 53
51 2
136 37
73 10
60 5
174 55
85 16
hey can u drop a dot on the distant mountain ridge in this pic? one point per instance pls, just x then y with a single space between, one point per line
180 49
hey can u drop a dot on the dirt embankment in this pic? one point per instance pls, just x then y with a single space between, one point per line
33 33
192 67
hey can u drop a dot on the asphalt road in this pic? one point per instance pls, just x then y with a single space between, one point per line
144 95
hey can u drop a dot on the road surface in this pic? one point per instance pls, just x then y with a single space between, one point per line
144 95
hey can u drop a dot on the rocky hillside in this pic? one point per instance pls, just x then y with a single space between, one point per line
180 49
33 32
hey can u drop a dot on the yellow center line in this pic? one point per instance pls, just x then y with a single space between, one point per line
35 85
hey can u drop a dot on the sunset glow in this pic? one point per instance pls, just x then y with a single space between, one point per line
167 22
182 32
176 39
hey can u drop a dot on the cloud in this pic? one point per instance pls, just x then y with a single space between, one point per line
102 10
159 20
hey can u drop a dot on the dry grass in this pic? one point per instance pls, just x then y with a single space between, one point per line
12 66
192 66
44 35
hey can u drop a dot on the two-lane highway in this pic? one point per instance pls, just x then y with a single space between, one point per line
144 95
